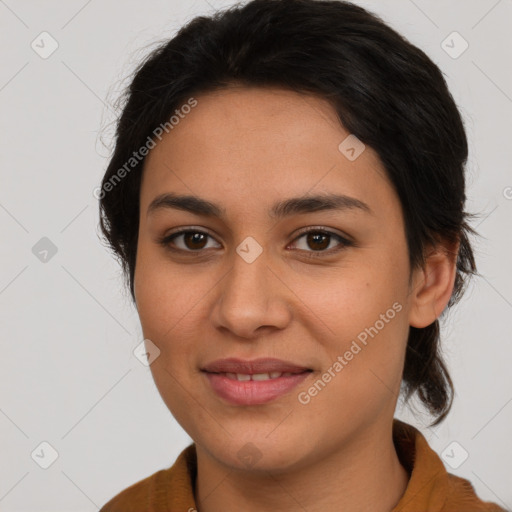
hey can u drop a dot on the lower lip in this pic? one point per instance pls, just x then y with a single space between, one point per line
253 392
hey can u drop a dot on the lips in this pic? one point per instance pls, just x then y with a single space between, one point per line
255 382
256 366
253 392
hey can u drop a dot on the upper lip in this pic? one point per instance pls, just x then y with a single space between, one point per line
262 365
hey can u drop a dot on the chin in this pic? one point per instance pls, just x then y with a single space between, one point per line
259 453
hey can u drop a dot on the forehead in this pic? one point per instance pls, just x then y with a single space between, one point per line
227 119
249 143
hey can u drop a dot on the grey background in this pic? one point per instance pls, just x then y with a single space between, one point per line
68 375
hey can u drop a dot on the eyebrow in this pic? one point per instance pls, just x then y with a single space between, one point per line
281 209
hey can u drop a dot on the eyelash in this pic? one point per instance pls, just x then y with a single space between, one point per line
165 242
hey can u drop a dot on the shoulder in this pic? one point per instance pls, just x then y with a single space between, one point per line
173 486
461 495
137 496
430 486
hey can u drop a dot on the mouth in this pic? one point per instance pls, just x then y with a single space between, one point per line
244 377
254 382
262 368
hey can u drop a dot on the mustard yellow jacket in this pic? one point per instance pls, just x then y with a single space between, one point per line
430 489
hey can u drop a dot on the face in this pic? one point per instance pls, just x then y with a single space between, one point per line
322 285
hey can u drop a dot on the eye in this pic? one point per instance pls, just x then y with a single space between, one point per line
191 240
319 240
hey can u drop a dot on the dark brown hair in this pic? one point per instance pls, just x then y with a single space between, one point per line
385 91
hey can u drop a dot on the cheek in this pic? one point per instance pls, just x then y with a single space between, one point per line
156 295
365 312
160 290
164 307
352 297
168 305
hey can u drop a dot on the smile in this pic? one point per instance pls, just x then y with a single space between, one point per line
254 389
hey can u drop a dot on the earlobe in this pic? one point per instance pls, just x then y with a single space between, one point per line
433 286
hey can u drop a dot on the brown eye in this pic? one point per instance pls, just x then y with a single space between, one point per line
194 240
321 242
318 241
187 241
315 241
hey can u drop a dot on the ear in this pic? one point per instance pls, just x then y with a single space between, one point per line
432 285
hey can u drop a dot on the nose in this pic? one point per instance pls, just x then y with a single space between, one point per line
251 299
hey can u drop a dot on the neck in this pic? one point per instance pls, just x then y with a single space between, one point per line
364 476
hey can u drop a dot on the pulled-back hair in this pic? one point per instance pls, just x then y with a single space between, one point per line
384 90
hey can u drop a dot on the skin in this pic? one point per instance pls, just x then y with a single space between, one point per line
243 149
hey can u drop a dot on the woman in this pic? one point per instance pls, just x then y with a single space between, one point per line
286 197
